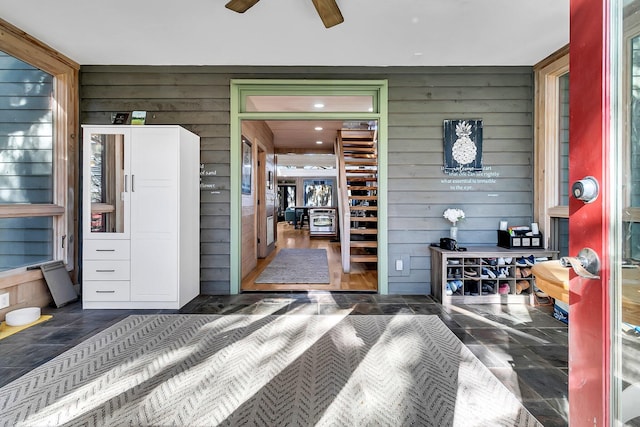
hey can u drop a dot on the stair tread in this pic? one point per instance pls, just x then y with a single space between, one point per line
363 258
363 208
360 149
363 231
363 197
364 244
361 162
363 219
362 187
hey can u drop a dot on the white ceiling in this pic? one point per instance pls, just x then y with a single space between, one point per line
289 32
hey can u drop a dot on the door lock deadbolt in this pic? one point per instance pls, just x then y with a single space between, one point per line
586 189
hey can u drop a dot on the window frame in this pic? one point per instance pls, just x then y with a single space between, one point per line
547 75
65 109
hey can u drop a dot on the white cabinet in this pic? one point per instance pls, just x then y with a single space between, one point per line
141 216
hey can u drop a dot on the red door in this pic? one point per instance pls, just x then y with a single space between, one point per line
604 336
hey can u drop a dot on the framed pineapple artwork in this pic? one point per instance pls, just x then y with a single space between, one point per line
462 145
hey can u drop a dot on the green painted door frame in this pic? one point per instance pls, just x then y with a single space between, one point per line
240 89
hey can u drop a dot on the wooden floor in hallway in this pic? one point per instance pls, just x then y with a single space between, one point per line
363 277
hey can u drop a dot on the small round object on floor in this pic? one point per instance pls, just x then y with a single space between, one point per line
22 316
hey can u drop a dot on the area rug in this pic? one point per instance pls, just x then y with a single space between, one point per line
297 266
295 370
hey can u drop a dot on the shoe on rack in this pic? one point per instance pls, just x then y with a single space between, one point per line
503 288
508 260
469 272
489 261
447 289
520 262
458 286
503 273
487 288
539 293
526 272
488 273
530 260
453 262
518 273
501 261
522 285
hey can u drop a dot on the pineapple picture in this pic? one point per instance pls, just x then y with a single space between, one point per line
463 145
464 150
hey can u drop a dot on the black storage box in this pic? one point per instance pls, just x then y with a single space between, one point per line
508 241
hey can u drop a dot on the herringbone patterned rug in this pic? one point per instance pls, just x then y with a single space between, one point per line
235 370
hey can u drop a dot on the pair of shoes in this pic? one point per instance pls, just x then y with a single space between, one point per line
503 288
522 285
447 289
453 262
487 288
455 273
469 272
455 285
528 261
523 272
539 293
488 273
503 273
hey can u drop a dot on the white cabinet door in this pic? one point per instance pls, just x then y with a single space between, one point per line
154 214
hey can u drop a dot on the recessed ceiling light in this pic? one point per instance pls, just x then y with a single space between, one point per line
318 142
318 105
318 128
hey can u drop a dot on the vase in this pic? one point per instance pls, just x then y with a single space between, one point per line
453 233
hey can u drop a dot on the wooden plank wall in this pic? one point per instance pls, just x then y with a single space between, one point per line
420 98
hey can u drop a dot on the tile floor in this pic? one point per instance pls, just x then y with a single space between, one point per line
525 347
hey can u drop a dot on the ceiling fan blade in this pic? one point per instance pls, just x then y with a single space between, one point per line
240 6
329 12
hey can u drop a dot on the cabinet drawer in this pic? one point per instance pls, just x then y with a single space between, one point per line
105 291
106 270
106 249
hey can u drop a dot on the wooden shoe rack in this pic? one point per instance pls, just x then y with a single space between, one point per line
466 267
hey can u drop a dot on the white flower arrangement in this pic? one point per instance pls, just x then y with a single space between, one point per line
454 215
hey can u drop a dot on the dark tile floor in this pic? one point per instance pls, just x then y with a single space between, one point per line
524 346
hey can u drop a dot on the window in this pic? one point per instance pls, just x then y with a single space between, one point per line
552 150
38 101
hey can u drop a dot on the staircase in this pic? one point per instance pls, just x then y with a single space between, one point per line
358 201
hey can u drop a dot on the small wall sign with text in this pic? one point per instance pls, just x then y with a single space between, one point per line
462 145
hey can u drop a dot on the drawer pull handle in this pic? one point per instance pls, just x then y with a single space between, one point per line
105 250
105 292
105 271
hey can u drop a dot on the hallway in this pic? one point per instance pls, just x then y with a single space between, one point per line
363 277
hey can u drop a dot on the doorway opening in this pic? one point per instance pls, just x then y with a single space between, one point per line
291 103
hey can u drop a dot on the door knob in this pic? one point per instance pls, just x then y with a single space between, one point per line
586 189
586 264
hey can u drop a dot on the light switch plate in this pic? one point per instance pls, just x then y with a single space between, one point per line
4 300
